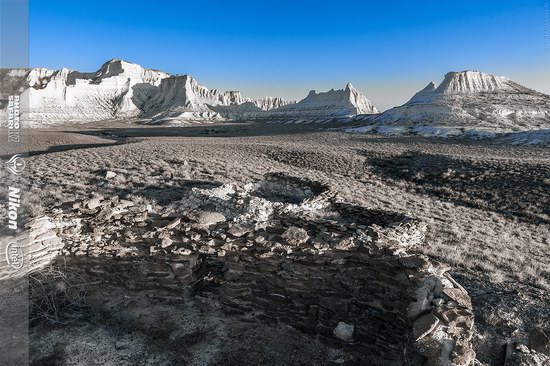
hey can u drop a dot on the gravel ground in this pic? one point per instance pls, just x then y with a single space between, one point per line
487 204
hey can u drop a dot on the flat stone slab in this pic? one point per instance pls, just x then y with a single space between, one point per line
459 296
424 326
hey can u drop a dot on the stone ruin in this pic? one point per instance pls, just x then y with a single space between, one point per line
280 251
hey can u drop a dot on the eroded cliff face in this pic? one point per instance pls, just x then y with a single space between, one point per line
269 103
117 89
121 90
333 103
183 97
283 251
472 99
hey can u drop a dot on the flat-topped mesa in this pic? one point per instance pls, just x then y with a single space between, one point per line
464 82
472 82
348 100
470 100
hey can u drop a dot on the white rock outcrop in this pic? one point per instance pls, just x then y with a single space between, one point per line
333 103
121 89
117 89
183 97
472 99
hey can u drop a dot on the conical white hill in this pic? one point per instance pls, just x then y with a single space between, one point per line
359 101
472 99
424 93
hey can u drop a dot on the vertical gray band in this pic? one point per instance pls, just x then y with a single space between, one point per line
14 244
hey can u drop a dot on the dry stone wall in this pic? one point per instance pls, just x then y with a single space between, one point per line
280 251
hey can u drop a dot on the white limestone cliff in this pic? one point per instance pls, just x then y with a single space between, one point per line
472 99
183 97
117 89
333 103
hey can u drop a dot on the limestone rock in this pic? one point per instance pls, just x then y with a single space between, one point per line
110 174
166 242
459 296
345 244
207 217
424 326
172 224
295 236
520 355
344 331
463 354
239 230
93 203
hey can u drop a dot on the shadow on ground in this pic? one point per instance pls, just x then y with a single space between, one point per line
60 148
499 186
227 129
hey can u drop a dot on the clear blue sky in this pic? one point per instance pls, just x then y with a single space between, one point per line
387 49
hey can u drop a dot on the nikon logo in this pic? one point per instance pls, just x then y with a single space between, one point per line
13 206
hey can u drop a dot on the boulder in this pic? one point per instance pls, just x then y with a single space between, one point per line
344 331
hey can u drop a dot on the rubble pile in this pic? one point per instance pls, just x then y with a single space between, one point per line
280 251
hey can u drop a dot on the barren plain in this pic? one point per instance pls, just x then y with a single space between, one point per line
486 207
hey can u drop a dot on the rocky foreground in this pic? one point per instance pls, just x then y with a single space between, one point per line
280 251
133 308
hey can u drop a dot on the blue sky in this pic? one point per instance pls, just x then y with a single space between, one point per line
387 49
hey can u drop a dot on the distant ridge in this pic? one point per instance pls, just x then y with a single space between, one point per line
343 102
121 89
125 90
